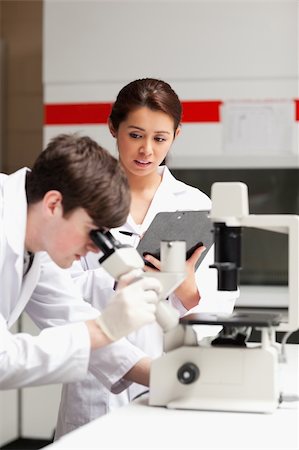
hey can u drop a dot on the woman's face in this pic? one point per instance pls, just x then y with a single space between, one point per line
143 140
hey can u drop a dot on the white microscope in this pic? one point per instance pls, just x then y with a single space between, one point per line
227 373
119 259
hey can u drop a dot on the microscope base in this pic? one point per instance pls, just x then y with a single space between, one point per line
216 378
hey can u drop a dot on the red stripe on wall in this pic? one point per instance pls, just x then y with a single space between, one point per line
98 113
76 113
201 111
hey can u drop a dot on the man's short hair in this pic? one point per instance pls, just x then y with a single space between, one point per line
86 175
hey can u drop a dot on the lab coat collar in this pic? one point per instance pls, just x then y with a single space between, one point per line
169 183
165 199
15 210
27 287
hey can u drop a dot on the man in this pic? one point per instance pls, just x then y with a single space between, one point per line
46 216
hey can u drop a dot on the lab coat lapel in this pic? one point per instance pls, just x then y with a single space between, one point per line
17 288
10 285
27 287
15 210
165 197
14 221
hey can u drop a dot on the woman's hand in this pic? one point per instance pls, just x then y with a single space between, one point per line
187 291
154 261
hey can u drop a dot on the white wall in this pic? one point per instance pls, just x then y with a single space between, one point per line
244 50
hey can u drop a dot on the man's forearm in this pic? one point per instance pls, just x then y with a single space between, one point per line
98 338
140 372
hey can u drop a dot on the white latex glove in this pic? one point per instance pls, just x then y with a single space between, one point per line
130 308
128 278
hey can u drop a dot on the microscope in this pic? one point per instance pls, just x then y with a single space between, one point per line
118 259
227 373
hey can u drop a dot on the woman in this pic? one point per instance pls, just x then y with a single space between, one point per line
145 121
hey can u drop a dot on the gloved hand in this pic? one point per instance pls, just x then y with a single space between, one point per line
128 278
132 307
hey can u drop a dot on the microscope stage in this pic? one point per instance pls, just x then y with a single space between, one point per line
236 319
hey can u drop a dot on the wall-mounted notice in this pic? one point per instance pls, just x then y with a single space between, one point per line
258 127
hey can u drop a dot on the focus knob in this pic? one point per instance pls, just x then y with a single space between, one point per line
188 373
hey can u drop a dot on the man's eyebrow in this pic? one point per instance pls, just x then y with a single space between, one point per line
142 129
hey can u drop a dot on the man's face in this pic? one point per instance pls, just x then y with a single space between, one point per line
68 237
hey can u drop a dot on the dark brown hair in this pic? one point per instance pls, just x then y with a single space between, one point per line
156 95
86 175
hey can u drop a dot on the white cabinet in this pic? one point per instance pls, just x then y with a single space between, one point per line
39 405
39 408
9 412
9 417
29 412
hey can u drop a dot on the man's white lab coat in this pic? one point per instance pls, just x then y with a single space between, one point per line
47 293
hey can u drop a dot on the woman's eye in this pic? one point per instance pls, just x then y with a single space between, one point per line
160 139
135 135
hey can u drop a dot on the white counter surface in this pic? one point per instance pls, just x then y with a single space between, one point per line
139 426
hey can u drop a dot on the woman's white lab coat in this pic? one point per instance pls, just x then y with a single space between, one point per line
86 400
48 294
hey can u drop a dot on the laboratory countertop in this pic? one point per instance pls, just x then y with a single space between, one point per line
139 426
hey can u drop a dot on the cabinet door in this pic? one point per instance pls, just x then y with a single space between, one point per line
9 411
39 405
9 425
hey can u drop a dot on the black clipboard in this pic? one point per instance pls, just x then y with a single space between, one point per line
193 227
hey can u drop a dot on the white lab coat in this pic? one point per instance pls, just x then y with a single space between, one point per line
48 294
86 400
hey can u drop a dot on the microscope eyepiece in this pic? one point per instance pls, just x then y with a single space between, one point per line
102 239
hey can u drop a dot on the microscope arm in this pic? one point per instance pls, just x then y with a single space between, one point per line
230 213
